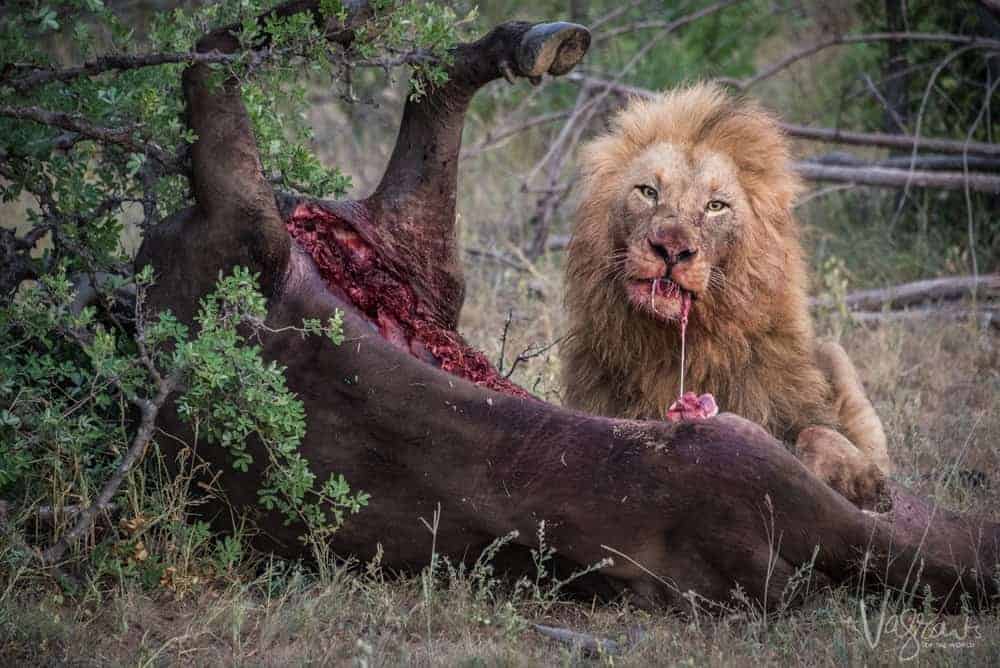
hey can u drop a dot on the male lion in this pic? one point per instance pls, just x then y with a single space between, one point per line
687 204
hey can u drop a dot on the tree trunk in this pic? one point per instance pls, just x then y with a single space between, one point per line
409 413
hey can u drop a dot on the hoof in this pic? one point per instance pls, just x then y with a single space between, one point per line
552 48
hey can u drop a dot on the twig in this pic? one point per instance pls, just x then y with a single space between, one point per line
552 162
52 513
970 41
529 353
495 140
149 409
40 76
613 14
668 26
920 119
893 114
122 137
147 425
823 192
970 220
884 140
503 340
497 257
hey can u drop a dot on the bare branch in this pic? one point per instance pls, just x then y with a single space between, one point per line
668 26
147 426
41 76
973 41
149 410
531 353
496 256
53 513
613 14
822 192
123 137
496 139
503 340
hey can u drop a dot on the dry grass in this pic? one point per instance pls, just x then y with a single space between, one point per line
936 387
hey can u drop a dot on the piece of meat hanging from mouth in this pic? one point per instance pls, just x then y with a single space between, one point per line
689 406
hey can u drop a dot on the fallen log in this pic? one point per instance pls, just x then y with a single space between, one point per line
984 286
409 413
893 177
985 317
922 162
832 135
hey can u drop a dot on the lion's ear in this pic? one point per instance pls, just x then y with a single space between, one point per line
772 195
601 157
600 162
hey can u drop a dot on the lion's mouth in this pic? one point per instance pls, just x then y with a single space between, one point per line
661 298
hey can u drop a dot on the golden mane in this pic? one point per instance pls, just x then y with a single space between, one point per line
750 342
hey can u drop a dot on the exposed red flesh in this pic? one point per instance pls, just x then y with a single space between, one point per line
353 271
690 406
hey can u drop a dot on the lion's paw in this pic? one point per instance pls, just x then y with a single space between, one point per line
835 460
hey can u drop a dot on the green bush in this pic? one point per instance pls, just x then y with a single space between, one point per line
100 153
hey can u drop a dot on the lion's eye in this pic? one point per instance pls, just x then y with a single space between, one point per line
649 192
716 205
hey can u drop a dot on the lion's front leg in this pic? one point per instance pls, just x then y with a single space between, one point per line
835 460
857 417
852 459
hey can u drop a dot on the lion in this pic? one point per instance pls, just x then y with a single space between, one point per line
686 203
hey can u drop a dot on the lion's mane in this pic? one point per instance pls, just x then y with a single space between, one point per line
750 342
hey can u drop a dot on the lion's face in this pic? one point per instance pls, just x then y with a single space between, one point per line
675 219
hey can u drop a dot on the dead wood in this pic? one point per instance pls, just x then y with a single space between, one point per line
837 135
986 286
891 177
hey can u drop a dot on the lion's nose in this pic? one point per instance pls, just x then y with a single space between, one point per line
672 251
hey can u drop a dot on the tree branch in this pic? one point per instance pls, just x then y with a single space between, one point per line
668 26
41 76
838 40
122 137
149 410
